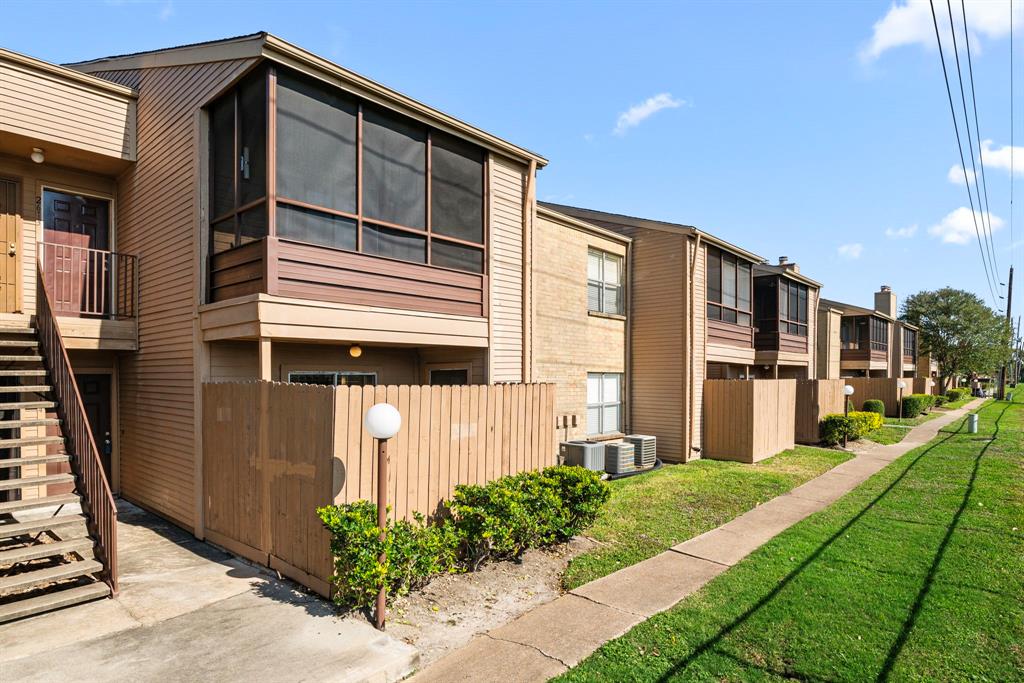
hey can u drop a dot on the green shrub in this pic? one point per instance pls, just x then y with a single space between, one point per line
505 517
415 552
834 427
863 423
916 404
957 394
873 405
939 400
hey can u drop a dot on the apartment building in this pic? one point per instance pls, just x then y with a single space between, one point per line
866 342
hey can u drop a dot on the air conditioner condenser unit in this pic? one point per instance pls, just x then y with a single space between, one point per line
619 458
645 450
583 454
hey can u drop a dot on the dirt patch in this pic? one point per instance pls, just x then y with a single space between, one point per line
449 611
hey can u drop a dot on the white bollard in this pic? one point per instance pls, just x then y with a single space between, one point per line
972 423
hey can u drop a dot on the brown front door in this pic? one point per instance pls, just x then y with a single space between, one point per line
95 390
10 231
76 230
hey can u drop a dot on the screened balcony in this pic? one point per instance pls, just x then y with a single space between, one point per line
317 194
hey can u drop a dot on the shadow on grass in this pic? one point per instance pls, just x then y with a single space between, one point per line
711 642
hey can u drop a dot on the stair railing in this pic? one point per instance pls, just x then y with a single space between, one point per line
85 460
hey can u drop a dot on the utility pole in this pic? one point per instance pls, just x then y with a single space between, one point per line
1001 392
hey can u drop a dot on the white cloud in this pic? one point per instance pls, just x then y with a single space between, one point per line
958 226
909 22
166 10
901 233
638 113
588 137
999 157
851 251
956 174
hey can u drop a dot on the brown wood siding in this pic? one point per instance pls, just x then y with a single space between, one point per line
863 355
237 272
157 219
507 185
729 334
48 107
780 341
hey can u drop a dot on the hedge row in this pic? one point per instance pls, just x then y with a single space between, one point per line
958 394
915 404
499 520
857 424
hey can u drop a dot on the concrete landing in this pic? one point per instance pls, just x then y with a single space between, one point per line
187 611
555 637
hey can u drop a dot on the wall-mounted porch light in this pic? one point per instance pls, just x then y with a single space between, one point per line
37 155
355 350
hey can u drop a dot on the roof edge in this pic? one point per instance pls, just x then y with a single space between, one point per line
577 224
94 82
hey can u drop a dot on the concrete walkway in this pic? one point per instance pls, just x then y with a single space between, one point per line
557 636
187 611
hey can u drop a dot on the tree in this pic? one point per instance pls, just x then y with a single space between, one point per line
959 331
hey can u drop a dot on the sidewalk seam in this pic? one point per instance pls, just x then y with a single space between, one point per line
705 559
602 604
528 645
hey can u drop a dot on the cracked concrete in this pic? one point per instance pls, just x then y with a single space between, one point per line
558 635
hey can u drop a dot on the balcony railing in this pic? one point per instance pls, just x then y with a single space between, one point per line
90 283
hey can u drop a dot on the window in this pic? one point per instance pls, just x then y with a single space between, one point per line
604 282
728 288
333 379
793 307
238 164
604 403
879 334
347 175
909 342
449 377
848 333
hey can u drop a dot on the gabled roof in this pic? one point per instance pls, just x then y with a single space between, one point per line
647 223
850 309
771 269
267 46
575 223
65 74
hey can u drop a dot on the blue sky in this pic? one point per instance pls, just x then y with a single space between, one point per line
818 130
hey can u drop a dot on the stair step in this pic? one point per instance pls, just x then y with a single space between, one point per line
37 503
20 359
39 525
40 577
55 600
19 343
82 546
17 330
27 405
6 463
32 422
25 389
28 482
29 372
30 441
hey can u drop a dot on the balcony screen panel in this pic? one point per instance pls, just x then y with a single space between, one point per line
252 224
714 276
222 156
223 235
743 286
394 170
394 244
315 227
728 281
316 144
803 304
456 188
252 138
448 255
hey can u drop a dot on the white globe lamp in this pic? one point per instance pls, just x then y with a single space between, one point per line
382 421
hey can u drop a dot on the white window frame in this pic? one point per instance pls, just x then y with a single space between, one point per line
604 403
602 283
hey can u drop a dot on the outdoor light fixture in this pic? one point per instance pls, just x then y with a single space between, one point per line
848 392
37 155
382 421
355 350
901 385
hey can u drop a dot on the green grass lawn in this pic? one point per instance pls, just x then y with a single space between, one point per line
652 512
888 434
917 575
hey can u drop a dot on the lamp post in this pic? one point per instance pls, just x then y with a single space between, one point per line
901 385
847 393
382 421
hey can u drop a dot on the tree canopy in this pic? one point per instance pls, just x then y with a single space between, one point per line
959 331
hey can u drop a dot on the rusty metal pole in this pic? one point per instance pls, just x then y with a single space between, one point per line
382 523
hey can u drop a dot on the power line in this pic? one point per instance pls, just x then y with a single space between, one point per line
970 145
960 148
977 131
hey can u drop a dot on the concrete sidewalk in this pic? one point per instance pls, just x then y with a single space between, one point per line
188 611
557 636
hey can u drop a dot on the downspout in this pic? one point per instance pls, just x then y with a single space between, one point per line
628 330
528 211
693 352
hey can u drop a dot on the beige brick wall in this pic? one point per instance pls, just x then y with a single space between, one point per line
568 341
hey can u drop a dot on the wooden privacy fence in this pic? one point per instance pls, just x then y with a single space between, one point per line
816 398
748 420
274 452
884 389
